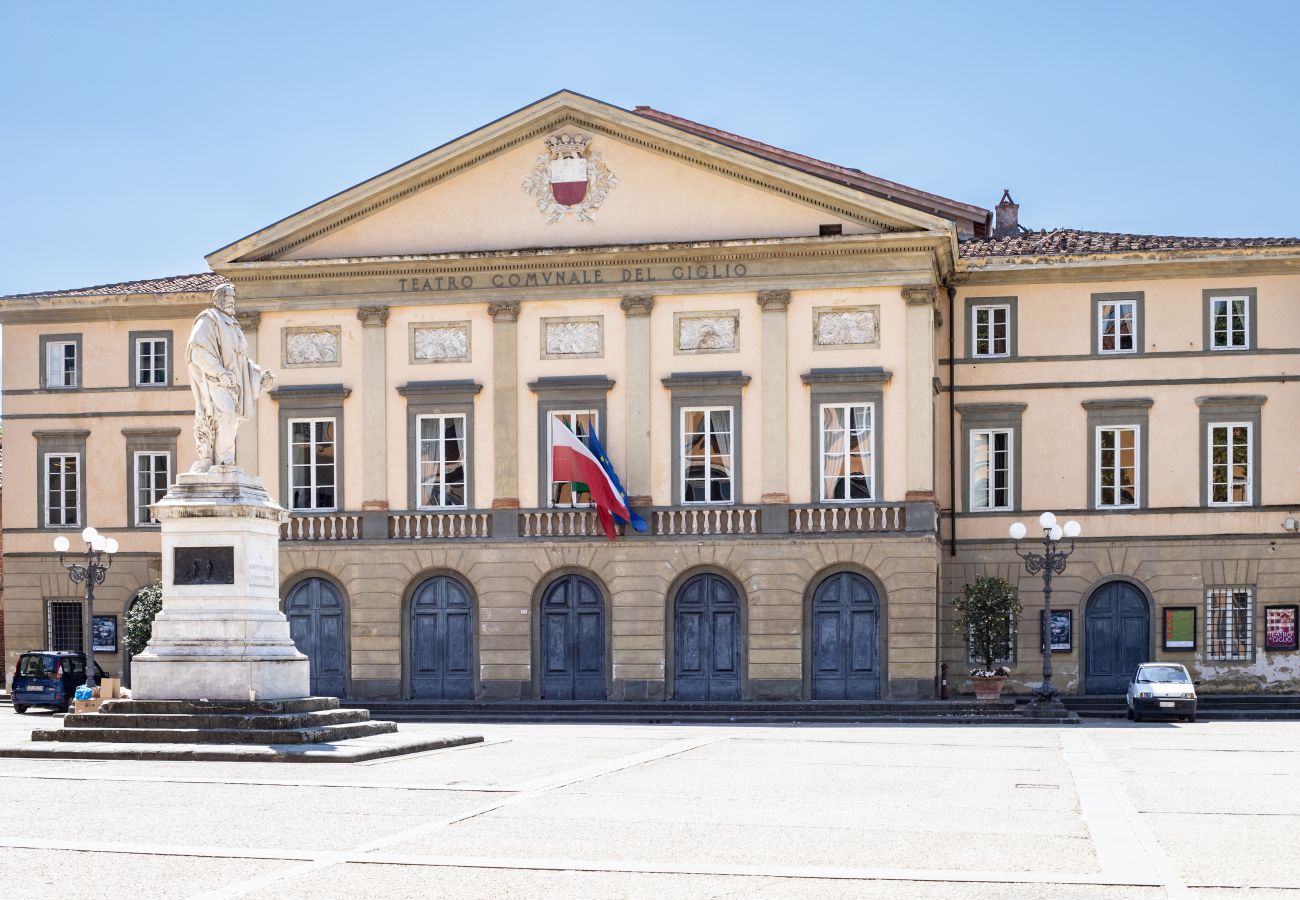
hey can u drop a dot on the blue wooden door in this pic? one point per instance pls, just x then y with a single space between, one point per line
706 640
442 641
845 639
315 612
572 640
1117 636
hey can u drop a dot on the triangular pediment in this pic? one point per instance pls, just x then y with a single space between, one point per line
569 171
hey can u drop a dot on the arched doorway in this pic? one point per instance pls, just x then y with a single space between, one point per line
315 611
572 640
1117 635
845 636
706 640
442 640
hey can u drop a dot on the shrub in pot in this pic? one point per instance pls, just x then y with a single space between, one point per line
986 613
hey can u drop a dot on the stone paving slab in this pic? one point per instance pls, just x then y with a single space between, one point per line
349 751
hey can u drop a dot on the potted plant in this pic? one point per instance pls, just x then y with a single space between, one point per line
986 615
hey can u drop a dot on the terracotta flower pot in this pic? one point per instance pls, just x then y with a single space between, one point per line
988 687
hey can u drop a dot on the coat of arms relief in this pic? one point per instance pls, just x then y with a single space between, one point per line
569 178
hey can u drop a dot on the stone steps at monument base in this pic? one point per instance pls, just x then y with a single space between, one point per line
218 707
219 721
326 734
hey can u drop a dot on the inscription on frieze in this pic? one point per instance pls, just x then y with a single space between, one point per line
203 565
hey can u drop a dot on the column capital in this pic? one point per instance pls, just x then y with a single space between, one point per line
920 294
248 321
637 305
373 316
504 310
775 301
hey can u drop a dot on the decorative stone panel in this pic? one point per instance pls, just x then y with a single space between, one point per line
573 338
711 332
440 342
837 327
309 346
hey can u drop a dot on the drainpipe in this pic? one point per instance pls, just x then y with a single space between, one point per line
952 423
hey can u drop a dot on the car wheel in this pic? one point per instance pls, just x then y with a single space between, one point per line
20 708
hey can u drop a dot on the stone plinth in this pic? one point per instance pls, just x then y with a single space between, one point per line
220 634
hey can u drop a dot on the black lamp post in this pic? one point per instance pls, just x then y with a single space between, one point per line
99 556
1047 699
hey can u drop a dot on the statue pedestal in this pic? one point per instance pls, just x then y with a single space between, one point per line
220 634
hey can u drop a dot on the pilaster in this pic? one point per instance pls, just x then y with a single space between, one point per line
374 401
505 403
246 436
776 488
920 300
637 307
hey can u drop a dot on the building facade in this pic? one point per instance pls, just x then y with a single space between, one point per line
828 395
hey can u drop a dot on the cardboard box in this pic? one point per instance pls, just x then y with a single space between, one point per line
80 707
110 689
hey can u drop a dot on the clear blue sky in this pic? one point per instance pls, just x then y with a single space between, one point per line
138 137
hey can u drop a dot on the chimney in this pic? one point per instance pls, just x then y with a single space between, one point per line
1006 222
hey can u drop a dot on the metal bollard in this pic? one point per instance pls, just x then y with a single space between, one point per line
943 682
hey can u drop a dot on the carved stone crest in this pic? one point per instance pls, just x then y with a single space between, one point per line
569 178
311 347
440 342
568 338
847 326
711 333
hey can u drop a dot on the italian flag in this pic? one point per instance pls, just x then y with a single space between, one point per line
572 461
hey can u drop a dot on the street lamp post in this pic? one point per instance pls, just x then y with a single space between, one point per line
99 556
1047 699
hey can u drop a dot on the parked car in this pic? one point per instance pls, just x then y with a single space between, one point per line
1162 689
49 678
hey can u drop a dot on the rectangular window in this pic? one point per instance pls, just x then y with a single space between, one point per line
62 490
441 460
848 452
150 361
990 469
1229 624
63 627
1117 466
152 477
1229 323
581 422
61 364
1231 468
1117 326
992 326
312 472
706 461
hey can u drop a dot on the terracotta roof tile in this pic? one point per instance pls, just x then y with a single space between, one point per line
1071 241
173 284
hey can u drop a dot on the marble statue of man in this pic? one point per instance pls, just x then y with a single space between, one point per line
224 380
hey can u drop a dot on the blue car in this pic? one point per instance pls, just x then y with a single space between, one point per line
48 678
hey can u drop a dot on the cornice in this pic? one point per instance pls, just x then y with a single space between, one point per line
1249 261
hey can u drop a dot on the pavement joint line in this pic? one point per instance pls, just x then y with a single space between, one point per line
468 788
1123 842
383 760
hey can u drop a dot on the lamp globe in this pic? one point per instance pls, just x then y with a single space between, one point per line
61 544
1047 520
1017 530
1073 529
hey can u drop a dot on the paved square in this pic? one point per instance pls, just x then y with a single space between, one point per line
1104 810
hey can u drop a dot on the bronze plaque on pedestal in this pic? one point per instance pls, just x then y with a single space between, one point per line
204 565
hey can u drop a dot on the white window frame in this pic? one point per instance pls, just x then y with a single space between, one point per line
709 480
62 384
1227 301
155 355
989 498
992 308
141 516
569 415
441 440
1132 315
846 407
314 486
1250 464
63 491
1101 467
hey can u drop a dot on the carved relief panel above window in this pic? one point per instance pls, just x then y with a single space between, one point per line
710 332
571 338
440 342
310 346
846 326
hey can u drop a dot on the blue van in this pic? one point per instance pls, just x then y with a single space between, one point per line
49 678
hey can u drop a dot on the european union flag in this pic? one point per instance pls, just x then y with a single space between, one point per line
593 443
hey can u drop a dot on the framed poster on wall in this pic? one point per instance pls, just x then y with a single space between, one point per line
1280 627
1062 630
1179 628
104 633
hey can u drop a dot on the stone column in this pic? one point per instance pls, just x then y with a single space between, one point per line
374 413
637 380
505 403
246 437
921 364
776 487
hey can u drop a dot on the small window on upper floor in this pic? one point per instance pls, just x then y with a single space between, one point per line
62 367
1229 323
991 330
1117 326
152 361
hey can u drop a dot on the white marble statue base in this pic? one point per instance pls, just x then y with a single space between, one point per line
220 634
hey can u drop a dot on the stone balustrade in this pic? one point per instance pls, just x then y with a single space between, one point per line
820 519
439 525
322 527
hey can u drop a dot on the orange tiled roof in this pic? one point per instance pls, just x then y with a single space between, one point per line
172 284
1071 241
